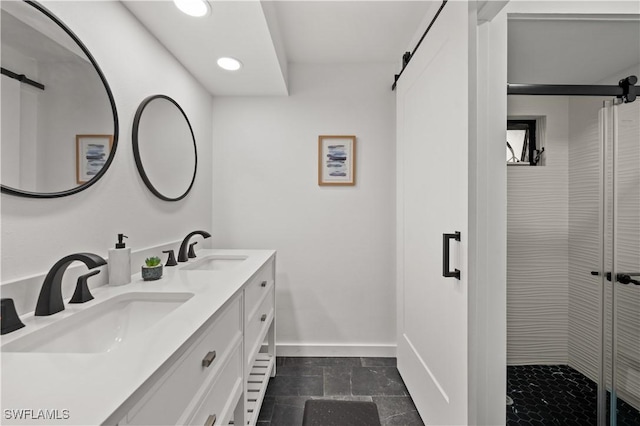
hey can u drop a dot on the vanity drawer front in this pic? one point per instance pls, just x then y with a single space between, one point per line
172 394
257 325
223 395
258 286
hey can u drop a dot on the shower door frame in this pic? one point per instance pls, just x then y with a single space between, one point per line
610 202
604 220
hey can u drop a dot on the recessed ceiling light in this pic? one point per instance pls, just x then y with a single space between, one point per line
229 64
193 7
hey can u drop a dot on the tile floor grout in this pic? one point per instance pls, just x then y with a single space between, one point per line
375 379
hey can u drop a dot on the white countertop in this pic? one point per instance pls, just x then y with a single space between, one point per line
97 388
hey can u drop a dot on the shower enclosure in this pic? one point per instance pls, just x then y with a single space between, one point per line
619 378
573 275
573 215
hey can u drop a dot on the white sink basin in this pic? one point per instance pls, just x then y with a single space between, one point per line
103 327
215 262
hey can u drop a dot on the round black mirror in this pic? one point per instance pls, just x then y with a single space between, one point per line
59 119
164 148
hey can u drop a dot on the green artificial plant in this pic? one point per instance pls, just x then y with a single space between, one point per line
152 261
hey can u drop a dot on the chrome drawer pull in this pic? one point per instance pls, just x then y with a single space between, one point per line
208 360
211 420
263 284
263 318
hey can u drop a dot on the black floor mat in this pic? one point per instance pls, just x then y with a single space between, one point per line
325 412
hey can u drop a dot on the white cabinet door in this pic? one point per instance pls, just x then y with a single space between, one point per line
433 138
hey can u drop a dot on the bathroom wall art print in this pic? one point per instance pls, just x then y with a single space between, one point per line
92 152
336 160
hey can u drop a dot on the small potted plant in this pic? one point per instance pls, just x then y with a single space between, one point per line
152 270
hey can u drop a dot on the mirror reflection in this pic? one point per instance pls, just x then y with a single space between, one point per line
164 148
59 122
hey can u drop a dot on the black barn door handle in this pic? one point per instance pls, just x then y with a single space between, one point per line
446 272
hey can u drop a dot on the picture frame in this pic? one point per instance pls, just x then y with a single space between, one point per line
336 160
92 152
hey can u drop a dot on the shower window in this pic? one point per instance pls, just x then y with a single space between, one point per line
522 142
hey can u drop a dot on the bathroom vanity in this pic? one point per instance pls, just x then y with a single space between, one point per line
195 347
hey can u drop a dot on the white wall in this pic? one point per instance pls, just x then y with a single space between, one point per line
62 115
615 78
537 241
335 262
11 109
19 112
38 232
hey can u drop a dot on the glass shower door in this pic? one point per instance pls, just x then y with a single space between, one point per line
623 255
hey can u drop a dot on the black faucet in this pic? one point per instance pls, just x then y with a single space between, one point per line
50 299
184 247
9 319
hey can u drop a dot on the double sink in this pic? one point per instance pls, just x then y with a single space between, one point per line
107 325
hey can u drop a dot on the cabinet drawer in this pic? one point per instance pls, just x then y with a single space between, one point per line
257 325
223 395
170 396
258 286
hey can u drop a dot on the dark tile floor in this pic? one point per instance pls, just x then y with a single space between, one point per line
354 379
557 395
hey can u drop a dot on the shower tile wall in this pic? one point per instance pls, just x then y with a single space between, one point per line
537 242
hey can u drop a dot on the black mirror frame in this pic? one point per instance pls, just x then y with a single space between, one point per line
114 146
136 150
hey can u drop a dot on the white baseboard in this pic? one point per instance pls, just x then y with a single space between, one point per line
340 350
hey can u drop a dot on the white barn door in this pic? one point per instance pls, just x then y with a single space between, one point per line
432 164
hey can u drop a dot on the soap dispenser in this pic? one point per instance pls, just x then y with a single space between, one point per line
120 263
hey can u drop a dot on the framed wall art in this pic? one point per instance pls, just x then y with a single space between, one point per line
92 152
336 160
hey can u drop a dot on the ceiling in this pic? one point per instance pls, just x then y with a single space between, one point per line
348 31
572 50
36 36
24 38
267 35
